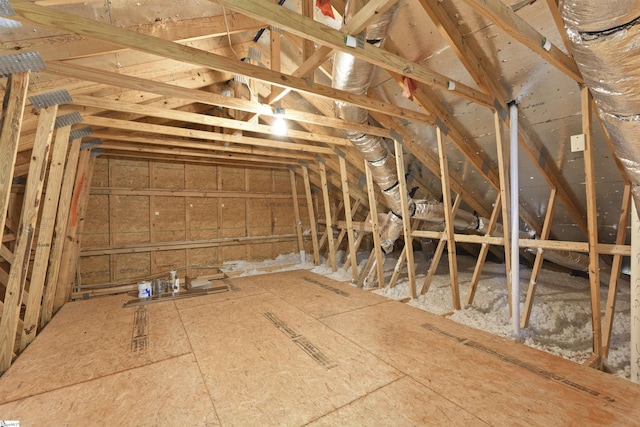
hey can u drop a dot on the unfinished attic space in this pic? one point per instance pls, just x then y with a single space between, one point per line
329 212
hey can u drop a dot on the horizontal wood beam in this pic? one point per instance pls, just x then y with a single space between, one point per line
180 152
182 30
183 193
307 28
192 244
143 139
91 101
196 95
111 154
53 18
206 135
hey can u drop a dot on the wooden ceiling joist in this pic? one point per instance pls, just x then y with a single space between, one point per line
185 143
307 28
180 152
180 31
165 89
210 136
127 155
53 18
89 101
355 25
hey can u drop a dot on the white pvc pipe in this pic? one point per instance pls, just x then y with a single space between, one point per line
635 294
515 218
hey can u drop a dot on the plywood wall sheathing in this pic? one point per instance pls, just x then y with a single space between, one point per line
180 215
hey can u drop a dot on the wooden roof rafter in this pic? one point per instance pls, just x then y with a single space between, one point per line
498 13
190 152
179 31
308 28
115 154
356 24
143 139
165 89
203 119
68 22
102 122
441 13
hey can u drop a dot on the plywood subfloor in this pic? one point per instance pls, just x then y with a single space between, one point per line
294 349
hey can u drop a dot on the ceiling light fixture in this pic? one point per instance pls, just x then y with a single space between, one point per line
279 126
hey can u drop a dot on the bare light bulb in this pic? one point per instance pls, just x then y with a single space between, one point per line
280 126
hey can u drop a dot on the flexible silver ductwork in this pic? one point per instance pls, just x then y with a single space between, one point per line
354 75
604 38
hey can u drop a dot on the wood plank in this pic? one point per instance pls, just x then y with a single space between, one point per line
592 221
112 137
202 96
537 265
92 339
555 13
312 216
334 219
197 158
193 133
316 295
68 264
379 348
347 262
182 30
549 390
24 238
355 25
449 219
203 119
113 191
14 100
505 199
432 163
5 253
343 224
64 206
327 214
54 18
179 376
211 156
477 271
275 52
346 197
503 16
443 13
45 237
266 390
178 245
406 218
616 265
307 45
375 228
296 213
307 28
437 254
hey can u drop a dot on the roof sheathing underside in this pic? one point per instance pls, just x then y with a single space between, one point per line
549 100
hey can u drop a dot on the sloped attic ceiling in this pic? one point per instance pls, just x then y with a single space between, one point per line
492 61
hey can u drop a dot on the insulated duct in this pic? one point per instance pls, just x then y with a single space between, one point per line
354 75
604 38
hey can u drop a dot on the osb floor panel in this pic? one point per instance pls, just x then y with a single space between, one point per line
294 348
